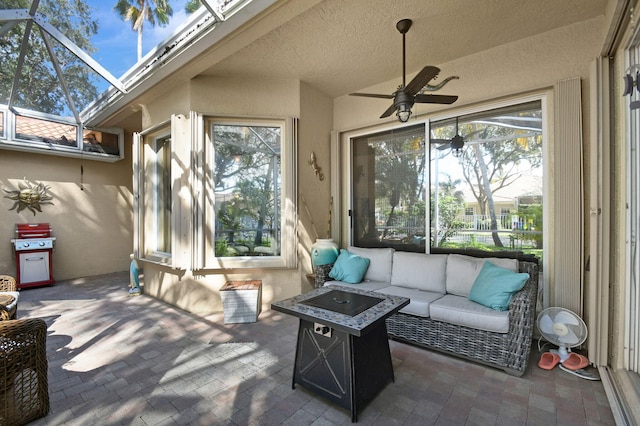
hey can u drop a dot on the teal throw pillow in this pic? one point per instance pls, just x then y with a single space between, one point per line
495 286
349 267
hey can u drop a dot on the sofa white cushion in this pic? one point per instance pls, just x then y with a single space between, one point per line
380 265
362 285
420 300
421 271
459 310
462 271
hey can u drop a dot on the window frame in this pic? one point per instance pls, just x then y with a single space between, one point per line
342 153
162 229
9 140
146 199
204 211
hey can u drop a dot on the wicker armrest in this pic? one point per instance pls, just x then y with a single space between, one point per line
322 274
522 312
24 392
7 283
523 303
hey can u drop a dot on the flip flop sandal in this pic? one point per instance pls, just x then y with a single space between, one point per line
548 360
582 373
576 361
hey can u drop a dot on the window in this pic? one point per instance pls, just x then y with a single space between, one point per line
46 133
486 194
215 194
249 214
155 189
499 166
389 189
161 192
247 185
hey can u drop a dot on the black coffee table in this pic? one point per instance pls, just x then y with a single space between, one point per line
343 351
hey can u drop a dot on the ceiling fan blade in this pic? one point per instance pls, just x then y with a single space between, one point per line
443 146
421 79
435 99
389 111
372 95
440 141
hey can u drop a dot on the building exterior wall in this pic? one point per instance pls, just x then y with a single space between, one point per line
236 97
510 71
91 214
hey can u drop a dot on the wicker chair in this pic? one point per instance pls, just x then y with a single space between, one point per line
9 290
24 391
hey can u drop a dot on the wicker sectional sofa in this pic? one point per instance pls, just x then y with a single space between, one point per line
440 315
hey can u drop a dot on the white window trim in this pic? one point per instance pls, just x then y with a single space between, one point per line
140 152
202 191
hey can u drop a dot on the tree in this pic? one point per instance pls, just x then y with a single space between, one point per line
450 204
39 87
246 176
139 11
400 172
493 165
192 6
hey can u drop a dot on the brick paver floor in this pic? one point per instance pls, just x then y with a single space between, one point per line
121 360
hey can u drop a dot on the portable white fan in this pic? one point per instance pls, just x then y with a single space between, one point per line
563 328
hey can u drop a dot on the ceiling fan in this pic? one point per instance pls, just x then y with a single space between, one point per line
408 94
456 143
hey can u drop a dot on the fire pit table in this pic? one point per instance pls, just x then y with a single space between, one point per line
342 351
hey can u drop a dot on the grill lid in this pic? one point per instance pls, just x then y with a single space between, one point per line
33 230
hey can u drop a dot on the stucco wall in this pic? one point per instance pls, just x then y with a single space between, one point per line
91 216
530 64
510 71
252 98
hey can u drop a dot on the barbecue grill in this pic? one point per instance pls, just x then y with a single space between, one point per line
33 247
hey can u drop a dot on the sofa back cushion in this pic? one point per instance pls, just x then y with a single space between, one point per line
462 271
420 271
380 265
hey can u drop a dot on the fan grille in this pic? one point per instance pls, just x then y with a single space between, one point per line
562 327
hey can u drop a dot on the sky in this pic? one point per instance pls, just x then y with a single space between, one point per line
117 43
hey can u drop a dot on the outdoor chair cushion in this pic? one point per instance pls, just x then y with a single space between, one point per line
418 271
495 286
463 270
380 266
349 267
420 300
460 310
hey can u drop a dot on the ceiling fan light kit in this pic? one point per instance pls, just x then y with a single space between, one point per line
408 94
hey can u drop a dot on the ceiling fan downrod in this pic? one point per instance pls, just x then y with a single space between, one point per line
403 26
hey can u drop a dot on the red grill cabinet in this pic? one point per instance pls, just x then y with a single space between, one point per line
33 247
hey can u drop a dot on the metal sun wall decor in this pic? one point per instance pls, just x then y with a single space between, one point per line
29 196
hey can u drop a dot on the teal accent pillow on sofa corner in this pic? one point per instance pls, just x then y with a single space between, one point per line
349 267
494 286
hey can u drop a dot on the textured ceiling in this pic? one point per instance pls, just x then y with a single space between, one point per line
342 46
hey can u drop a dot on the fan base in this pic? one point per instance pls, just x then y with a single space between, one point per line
562 352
